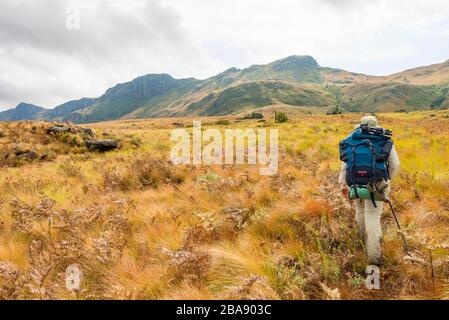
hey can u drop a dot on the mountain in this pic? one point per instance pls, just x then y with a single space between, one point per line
303 69
295 81
64 109
23 111
429 75
125 98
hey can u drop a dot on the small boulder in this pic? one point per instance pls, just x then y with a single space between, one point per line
102 145
87 132
29 155
58 129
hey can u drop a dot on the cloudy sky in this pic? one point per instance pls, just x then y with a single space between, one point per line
49 54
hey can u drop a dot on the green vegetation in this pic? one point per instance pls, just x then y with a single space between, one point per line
259 94
223 123
392 97
293 81
280 117
253 115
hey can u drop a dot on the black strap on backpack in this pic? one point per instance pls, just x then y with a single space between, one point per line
373 169
353 172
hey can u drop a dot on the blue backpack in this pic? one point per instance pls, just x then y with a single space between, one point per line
366 152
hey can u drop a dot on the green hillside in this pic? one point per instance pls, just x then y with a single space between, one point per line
126 98
387 97
297 81
253 95
303 69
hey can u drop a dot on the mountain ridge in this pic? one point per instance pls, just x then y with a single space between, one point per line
296 81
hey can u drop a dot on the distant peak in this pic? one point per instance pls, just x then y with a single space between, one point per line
156 75
298 58
230 70
160 76
295 62
24 105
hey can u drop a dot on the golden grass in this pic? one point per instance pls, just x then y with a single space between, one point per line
141 228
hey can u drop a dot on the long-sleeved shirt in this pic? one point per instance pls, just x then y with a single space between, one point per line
393 161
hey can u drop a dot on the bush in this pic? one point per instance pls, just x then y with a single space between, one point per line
132 140
336 110
117 178
155 172
281 117
70 169
223 123
253 115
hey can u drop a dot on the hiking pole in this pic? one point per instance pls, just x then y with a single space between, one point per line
399 227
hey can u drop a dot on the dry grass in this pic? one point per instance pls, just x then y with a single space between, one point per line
141 228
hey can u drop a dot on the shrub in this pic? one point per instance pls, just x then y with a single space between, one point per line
281 117
154 172
336 110
223 123
253 115
117 179
209 177
132 140
188 264
70 169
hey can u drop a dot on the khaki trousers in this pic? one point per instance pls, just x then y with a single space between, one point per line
370 230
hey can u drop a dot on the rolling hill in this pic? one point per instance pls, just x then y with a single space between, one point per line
296 81
252 95
392 96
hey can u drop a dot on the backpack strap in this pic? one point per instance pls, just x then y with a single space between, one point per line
386 151
352 169
373 163
387 166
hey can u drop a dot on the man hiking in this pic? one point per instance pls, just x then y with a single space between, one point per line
369 162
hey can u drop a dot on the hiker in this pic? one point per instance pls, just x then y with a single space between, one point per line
367 182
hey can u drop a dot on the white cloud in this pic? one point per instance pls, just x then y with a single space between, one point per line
337 33
42 62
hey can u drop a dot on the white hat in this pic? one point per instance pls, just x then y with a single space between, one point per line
371 121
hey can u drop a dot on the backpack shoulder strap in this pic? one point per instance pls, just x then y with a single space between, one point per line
385 155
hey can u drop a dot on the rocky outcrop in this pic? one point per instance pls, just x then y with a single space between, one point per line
102 145
59 129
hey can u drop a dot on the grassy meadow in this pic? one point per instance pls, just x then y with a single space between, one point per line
142 228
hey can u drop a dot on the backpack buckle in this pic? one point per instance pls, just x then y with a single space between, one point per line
362 173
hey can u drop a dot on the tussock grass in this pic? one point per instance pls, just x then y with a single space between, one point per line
141 228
